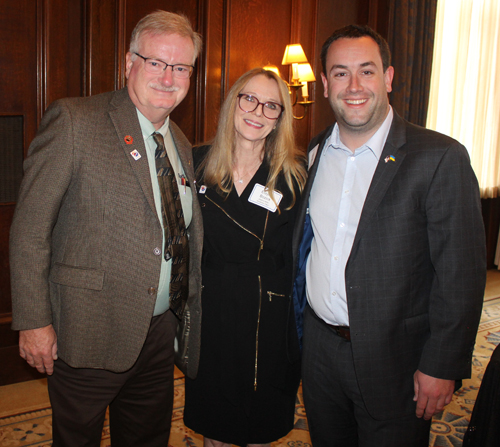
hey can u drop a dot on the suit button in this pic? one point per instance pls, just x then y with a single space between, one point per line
152 290
157 251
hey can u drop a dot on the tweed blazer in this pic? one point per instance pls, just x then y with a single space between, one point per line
85 235
416 273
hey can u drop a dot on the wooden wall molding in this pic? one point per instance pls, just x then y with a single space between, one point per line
211 67
122 43
41 43
101 46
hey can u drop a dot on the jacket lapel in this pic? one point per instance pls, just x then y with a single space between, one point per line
390 161
124 117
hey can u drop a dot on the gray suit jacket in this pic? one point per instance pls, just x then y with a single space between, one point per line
417 269
85 230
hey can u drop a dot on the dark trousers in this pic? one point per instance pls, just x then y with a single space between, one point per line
334 406
140 400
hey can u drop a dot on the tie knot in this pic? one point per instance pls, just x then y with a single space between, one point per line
158 137
160 145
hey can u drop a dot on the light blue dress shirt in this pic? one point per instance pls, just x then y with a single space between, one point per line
162 299
335 204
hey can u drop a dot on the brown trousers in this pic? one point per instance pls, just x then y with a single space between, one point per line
140 400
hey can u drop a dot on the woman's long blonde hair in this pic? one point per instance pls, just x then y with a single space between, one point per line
280 150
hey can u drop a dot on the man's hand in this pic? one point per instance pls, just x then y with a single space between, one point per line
431 394
39 348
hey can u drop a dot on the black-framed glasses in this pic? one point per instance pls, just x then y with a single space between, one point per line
249 103
157 66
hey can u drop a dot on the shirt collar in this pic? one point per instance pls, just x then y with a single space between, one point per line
376 143
148 129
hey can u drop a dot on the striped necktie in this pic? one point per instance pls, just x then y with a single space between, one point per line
176 239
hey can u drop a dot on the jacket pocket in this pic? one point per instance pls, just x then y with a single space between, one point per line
272 294
398 210
71 276
417 324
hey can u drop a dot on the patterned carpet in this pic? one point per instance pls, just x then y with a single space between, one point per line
448 428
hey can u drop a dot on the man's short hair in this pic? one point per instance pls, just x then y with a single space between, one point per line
164 22
355 32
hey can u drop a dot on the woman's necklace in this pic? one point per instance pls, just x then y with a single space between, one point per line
241 177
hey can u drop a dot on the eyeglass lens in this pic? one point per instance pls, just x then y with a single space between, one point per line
156 66
249 103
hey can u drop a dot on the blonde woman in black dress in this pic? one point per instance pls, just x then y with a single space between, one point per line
248 181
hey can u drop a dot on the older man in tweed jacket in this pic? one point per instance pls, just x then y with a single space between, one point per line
90 283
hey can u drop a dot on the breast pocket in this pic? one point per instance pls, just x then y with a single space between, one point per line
397 209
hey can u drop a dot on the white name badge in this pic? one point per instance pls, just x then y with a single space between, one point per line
260 196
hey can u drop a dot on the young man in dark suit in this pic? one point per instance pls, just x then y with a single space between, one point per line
100 267
391 260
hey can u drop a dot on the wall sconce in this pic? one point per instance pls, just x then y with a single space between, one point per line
294 54
300 74
305 75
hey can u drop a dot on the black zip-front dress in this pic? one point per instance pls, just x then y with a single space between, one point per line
246 386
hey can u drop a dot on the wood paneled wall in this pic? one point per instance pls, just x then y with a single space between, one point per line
56 48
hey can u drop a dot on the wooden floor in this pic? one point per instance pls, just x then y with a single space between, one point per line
27 396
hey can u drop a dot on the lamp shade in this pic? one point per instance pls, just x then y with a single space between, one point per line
305 73
294 54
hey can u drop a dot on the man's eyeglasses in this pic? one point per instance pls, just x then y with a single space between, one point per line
156 66
249 103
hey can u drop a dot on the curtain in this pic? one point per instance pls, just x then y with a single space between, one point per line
411 39
497 255
465 85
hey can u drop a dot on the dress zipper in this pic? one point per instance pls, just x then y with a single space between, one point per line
261 246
